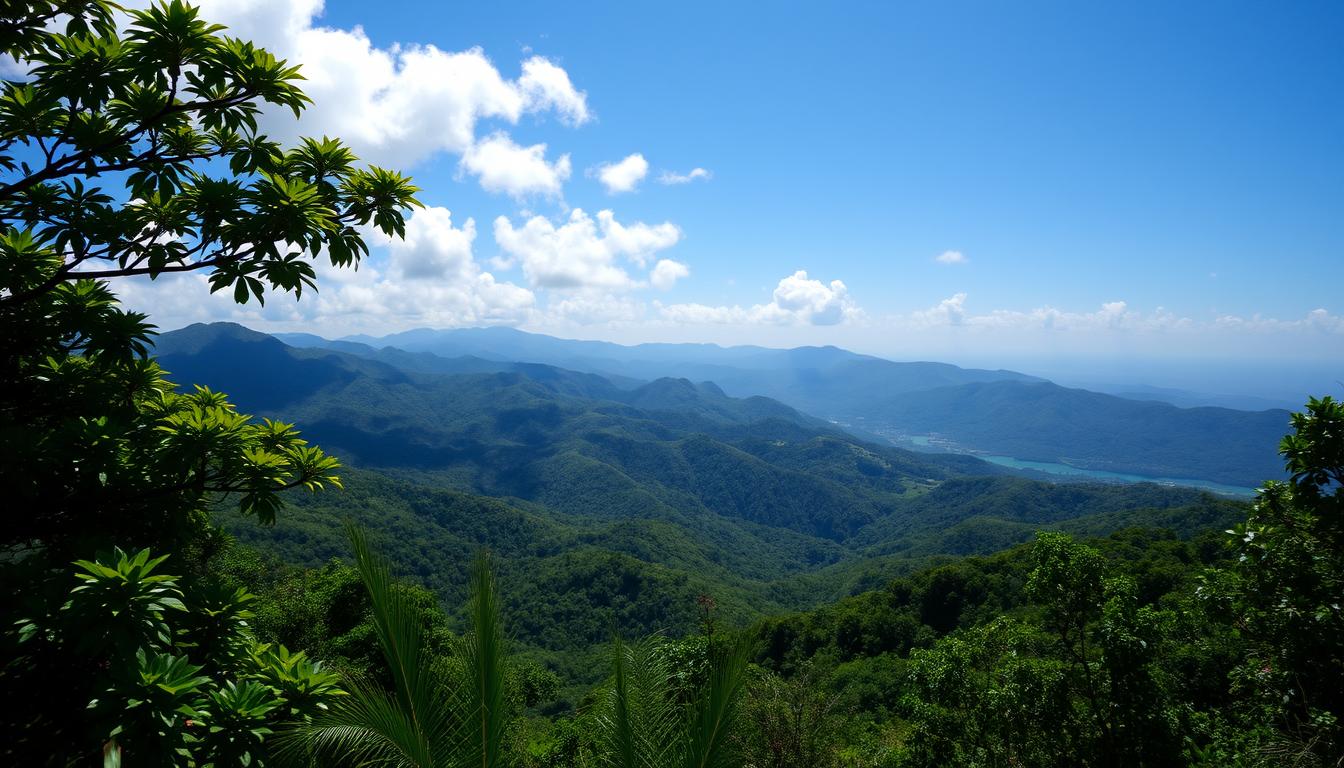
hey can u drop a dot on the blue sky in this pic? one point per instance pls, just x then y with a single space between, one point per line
1146 180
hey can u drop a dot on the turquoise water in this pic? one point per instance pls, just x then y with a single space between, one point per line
1101 474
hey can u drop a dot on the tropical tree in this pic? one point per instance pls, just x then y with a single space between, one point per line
1086 663
790 722
647 720
1284 593
130 148
138 153
439 712
128 661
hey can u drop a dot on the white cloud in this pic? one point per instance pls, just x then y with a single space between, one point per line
583 253
623 176
666 273
950 257
1110 316
706 314
433 248
952 311
672 177
547 86
504 166
949 311
797 300
595 309
802 299
429 279
1317 320
397 105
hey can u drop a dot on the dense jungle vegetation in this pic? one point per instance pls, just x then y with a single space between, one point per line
570 572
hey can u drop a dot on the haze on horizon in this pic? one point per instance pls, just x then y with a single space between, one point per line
1143 193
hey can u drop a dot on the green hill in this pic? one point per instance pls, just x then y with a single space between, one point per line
632 501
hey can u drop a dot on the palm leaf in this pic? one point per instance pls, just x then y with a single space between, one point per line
482 704
715 713
367 727
418 724
638 723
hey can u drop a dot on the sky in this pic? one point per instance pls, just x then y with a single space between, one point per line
1136 187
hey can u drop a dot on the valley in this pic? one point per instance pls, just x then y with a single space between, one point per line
622 501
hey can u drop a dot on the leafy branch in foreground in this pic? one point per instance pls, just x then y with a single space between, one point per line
134 664
167 116
97 447
131 146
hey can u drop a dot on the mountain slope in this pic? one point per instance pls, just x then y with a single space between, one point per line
1041 421
981 411
632 499
571 441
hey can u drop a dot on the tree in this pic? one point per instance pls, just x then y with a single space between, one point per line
139 154
168 114
1285 594
126 660
982 697
454 714
790 722
647 720
1110 643
131 148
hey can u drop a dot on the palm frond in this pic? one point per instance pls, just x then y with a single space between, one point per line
398 624
366 727
413 725
436 715
715 713
482 703
618 727
638 721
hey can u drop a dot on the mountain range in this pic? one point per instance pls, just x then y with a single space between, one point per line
632 497
996 412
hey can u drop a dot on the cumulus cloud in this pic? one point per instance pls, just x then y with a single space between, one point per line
396 105
547 86
1317 320
595 309
950 257
584 253
952 311
623 176
672 177
504 166
797 300
949 311
666 273
429 279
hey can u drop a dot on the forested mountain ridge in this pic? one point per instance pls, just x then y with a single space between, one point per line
810 378
633 499
571 441
971 410
1041 421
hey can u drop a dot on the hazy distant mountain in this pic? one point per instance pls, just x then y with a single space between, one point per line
1042 421
996 412
570 440
814 379
1188 399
